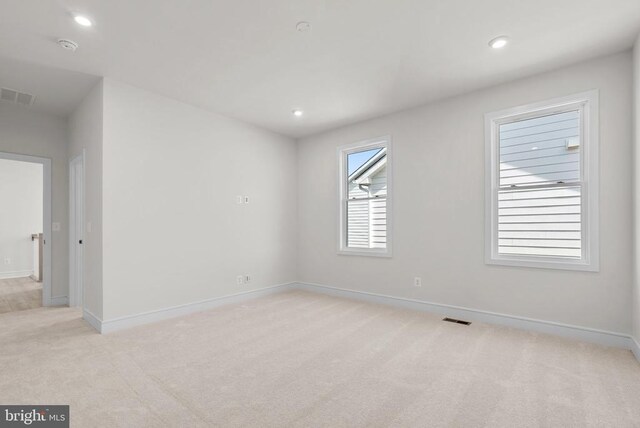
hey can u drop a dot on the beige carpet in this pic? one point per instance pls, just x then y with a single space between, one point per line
307 360
18 294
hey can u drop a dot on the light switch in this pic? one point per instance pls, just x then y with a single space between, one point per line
55 227
239 199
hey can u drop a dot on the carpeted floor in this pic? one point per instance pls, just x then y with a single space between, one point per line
18 294
308 360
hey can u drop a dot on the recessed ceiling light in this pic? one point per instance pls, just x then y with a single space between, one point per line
297 113
83 20
499 42
303 26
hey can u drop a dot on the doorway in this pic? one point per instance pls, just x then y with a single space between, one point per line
76 231
25 232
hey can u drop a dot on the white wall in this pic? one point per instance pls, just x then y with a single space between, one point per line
21 214
26 132
85 133
439 207
173 233
636 197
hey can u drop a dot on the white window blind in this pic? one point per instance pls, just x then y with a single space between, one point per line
542 172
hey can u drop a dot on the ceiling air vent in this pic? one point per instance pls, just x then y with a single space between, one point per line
17 97
8 95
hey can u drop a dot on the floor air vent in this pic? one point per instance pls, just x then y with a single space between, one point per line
453 320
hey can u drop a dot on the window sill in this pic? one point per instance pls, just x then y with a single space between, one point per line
577 265
365 253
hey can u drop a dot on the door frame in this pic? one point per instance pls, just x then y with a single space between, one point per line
47 298
76 252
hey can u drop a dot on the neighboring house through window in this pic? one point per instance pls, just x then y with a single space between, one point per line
365 198
542 184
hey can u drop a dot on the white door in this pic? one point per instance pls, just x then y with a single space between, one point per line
76 230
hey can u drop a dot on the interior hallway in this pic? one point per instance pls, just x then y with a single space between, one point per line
19 294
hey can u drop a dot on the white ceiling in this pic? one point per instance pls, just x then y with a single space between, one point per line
363 58
57 91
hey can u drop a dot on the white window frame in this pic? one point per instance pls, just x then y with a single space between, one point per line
343 152
587 103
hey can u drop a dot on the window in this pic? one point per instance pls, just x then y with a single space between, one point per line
542 184
365 198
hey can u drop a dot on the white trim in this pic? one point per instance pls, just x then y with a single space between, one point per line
60 301
92 319
600 337
16 274
635 348
587 102
342 152
76 294
115 324
47 237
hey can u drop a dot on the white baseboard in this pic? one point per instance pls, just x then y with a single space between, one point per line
600 337
635 348
109 326
16 274
92 319
59 301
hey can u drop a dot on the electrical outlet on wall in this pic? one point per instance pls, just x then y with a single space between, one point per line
240 279
247 279
417 281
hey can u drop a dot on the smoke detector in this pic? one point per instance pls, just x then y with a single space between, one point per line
67 44
16 97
